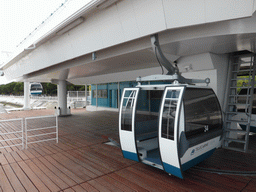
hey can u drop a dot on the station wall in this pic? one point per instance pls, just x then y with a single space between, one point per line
201 66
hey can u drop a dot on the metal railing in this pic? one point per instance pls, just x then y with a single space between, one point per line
41 129
11 133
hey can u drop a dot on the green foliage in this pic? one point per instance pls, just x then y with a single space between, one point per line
243 82
14 88
75 88
17 88
49 89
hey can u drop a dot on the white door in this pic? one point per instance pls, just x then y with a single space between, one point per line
126 123
169 130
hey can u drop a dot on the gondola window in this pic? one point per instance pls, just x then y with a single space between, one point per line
127 108
169 113
202 112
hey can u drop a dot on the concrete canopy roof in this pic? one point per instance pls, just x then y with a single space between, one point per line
119 35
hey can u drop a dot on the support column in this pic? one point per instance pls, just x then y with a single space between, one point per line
26 96
85 95
118 95
62 97
96 95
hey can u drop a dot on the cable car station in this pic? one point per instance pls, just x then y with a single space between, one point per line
180 75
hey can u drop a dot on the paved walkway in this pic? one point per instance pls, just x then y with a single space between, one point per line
81 161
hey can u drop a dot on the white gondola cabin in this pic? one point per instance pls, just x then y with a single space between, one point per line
36 88
186 130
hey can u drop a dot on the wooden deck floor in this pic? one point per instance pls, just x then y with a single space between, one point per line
81 161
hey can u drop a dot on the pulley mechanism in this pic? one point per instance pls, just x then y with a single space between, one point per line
173 71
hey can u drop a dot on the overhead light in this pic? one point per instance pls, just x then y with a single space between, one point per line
106 4
70 26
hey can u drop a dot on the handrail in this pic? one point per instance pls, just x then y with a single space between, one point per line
40 134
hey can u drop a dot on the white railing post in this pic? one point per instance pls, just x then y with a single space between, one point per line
14 132
22 133
57 130
26 133
48 127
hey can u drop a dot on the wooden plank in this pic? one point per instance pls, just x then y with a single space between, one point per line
51 149
115 152
59 172
86 154
28 154
40 151
34 152
17 186
109 163
122 179
81 162
203 183
16 156
52 175
4 182
28 185
98 186
78 188
163 177
40 174
80 171
148 183
251 186
108 185
117 184
3 160
45 150
64 146
65 170
68 190
33 177
88 187
224 182
9 158
22 155
90 163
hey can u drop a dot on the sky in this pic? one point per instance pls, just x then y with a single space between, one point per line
18 18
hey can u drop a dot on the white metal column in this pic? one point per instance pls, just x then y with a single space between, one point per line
86 95
96 95
118 95
26 96
62 97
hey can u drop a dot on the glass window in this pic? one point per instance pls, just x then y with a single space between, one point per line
36 87
202 111
102 93
156 94
94 94
169 113
127 109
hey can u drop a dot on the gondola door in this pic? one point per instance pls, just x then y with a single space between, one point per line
169 130
127 123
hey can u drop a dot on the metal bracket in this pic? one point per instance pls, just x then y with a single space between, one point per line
172 78
173 72
160 56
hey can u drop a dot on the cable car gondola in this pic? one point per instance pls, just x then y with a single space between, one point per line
36 88
186 130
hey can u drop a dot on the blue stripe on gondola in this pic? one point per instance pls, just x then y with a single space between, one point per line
172 170
130 155
197 160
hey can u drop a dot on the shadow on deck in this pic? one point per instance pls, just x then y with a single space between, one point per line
81 161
